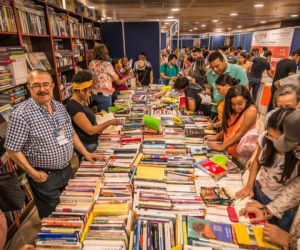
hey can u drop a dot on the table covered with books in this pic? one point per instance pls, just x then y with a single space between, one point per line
157 187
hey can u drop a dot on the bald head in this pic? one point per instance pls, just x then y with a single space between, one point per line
32 74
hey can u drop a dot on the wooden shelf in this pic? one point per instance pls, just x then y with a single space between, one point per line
89 39
64 68
80 38
26 211
13 87
34 35
11 230
8 33
61 37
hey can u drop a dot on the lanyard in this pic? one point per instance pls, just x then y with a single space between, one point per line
52 119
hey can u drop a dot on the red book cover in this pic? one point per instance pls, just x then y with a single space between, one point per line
182 102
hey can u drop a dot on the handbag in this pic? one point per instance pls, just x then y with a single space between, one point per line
248 143
12 197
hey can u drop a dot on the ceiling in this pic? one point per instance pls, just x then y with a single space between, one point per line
197 16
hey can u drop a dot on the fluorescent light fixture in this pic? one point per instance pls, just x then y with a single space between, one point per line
195 28
239 26
294 15
167 23
215 20
91 7
262 22
233 14
170 17
203 25
190 30
259 5
175 9
108 17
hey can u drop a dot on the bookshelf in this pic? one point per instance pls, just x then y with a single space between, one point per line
78 34
36 26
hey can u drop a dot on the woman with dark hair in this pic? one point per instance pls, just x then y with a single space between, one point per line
83 117
223 83
273 169
239 116
245 61
103 76
119 84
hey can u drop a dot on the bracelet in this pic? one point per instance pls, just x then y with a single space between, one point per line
267 213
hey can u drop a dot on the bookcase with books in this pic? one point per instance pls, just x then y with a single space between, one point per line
36 34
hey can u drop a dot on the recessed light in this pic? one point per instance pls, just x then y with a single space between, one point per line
175 9
195 28
259 5
215 20
262 21
229 28
170 17
239 26
294 15
196 22
233 14
91 7
190 30
108 18
203 25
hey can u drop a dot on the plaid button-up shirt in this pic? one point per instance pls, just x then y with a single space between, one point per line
33 131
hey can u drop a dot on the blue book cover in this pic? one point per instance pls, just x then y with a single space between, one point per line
205 230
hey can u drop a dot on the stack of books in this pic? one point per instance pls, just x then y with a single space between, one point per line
6 78
65 87
58 23
63 56
38 60
88 30
31 17
13 96
76 27
7 20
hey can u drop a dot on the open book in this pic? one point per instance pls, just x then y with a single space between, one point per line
100 119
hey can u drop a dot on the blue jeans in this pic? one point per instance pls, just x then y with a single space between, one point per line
103 102
287 219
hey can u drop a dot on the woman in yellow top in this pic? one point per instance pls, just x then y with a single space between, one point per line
239 117
223 83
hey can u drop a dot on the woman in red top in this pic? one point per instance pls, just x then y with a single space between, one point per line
120 84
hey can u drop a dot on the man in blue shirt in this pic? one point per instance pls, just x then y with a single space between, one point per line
169 71
219 66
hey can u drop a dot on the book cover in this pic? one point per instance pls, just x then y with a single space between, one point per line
205 230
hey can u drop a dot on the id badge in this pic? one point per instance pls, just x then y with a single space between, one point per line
60 137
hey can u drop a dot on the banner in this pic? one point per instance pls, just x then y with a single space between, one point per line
278 41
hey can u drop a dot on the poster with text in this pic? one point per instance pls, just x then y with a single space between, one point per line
278 41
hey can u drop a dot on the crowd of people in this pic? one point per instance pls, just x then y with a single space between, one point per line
222 84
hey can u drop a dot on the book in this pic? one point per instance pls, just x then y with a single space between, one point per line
206 231
7 20
215 195
211 168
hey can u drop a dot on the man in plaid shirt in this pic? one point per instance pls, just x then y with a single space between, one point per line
40 139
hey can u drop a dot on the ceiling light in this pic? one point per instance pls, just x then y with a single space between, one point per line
259 5
203 25
294 15
91 7
262 22
239 26
215 21
233 14
167 23
170 17
190 30
108 18
175 9
229 28
195 28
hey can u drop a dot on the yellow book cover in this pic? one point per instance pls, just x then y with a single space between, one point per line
111 209
150 173
184 232
176 231
258 232
241 233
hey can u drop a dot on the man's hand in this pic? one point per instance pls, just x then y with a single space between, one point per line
92 157
244 192
39 176
28 247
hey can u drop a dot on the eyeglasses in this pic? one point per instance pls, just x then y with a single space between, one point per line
45 85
